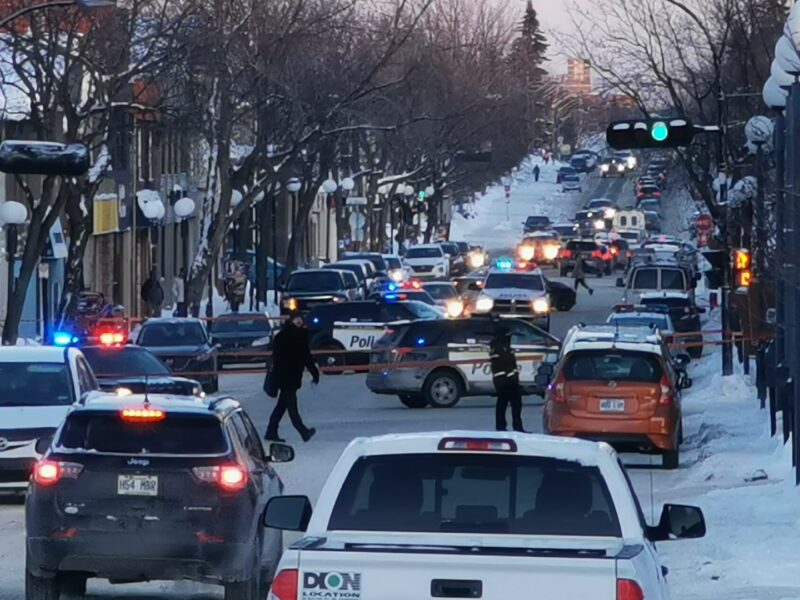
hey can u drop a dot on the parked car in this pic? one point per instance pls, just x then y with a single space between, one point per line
563 171
185 346
241 337
307 288
428 261
621 388
571 183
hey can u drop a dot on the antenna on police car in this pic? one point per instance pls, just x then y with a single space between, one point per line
146 382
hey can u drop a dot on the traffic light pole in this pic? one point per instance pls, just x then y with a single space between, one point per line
727 346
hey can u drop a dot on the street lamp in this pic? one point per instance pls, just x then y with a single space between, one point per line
12 215
348 184
329 186
184 208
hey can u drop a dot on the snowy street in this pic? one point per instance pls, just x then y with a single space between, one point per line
725 445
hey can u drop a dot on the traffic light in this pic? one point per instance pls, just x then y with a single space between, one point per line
742 267
650 133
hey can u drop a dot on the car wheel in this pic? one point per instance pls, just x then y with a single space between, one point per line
41 588
413 400
72 584
336 358
672 459
442 389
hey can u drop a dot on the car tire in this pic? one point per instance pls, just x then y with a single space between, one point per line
672 459
72 585
443 388
335 359
41 588
413 400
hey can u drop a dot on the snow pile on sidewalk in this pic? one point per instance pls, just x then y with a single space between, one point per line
743 480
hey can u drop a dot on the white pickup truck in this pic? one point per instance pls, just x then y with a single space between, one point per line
475 515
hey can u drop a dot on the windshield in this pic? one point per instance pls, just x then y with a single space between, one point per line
176 434
314 281
34 384
639 321
422 310
610 365
441 291
172 334
475 493
672 279
393 262
243 324
424 253
124 361
538 221
514 280
646 279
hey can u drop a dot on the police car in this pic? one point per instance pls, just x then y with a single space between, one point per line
436 363
509 291
343 334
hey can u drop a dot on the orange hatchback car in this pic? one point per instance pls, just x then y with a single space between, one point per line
630 398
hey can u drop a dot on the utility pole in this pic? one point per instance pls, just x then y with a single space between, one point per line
727 348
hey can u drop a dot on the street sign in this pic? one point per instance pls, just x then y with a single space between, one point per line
704 223
357 222
356 201
44 270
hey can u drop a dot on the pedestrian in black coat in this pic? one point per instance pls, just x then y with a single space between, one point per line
291 355
505 376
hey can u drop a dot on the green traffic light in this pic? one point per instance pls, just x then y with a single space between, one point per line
659 131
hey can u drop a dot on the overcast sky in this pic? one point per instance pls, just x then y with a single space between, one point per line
553 15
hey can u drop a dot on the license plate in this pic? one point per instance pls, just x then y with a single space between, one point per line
612 405
137 485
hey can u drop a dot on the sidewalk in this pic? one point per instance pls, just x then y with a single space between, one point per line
743 481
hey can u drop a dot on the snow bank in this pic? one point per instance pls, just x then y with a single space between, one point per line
743 481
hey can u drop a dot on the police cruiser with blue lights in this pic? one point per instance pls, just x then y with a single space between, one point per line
513 291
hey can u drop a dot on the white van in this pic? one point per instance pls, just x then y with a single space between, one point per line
629 219
38 384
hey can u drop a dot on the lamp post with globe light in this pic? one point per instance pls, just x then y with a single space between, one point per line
408 193
184 208
329 187
12 214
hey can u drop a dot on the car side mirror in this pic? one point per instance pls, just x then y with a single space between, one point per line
681 359
280 453
678 522
620 282
288 513
43 444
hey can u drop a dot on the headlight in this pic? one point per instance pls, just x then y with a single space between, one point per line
261 341
541 306
610 212
600 224
197 390
484 304
604 168
455 308
551 252
527 252
620 167
476 260
631 162
290 303
396 275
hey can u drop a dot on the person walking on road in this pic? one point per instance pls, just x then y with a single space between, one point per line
580 275
536 172
505 376
153 294
291 355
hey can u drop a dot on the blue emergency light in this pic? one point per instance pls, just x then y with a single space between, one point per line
420 341
64 338
390 297
392 287
506 264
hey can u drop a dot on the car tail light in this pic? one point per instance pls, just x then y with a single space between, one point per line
144 414
666 391
112 338
628 589
285 584
557 388
614 250
48 472
231 478
630 254
478 444
566 253
597 254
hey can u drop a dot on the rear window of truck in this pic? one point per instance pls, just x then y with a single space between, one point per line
111 433
475 493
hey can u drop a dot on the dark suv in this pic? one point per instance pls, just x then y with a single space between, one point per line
167 489
308 288
536 223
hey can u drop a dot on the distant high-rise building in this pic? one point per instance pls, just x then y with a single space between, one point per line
579 76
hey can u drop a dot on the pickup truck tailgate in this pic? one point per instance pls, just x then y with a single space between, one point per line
414 574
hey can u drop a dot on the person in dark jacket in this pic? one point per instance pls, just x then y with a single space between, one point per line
536 171
505 376
153 294
291 355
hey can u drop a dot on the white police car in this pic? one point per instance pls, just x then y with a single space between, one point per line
508 291
38 384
